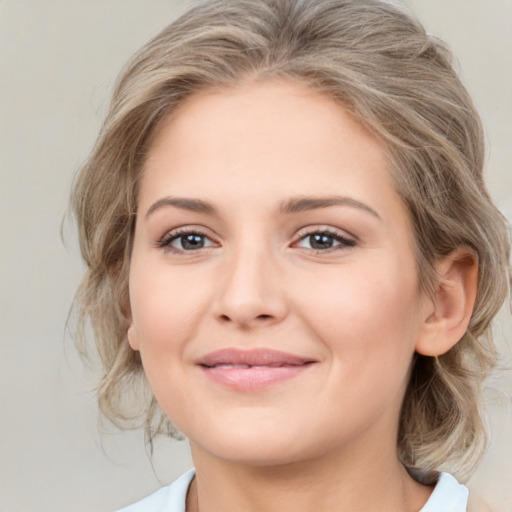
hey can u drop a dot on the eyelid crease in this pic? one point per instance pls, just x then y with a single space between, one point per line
334 232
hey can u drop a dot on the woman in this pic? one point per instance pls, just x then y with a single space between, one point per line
288 238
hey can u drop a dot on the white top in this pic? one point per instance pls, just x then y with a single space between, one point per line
448 496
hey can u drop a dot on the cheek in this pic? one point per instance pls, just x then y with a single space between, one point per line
165 318
366 318
165 308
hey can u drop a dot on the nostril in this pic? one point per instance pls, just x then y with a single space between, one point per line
227 318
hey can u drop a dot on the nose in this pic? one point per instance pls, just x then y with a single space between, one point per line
251 294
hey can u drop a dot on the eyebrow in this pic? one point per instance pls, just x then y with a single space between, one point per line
300 204
192 205
292 205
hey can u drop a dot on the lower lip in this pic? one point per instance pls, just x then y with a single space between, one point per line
253 378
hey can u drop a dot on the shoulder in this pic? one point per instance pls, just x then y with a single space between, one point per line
171 498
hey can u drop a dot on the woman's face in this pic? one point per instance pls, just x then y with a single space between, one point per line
274 295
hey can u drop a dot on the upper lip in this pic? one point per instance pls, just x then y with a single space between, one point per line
252 357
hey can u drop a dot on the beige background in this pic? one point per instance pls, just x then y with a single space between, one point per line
58 60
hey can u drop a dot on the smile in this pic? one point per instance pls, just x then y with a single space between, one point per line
252 370
244 366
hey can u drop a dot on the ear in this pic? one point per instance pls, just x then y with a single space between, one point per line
131 331
448 312
131 334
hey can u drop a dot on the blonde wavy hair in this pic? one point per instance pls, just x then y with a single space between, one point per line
377 61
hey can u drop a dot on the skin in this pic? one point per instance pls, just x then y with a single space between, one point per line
325 439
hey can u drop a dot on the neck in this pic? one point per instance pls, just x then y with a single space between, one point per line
331 483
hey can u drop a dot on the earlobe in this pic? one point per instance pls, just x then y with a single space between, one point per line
447 317
131 333
132 336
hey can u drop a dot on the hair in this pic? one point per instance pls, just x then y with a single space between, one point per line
376 60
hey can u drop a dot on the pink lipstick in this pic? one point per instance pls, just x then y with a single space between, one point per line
252 370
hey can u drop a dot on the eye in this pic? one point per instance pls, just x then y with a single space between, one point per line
184 240
324 241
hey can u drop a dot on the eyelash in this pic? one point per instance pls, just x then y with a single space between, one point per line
344 242
176 234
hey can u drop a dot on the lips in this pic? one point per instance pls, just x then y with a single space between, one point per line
252 370
254 357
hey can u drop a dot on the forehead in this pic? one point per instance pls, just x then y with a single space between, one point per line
257 142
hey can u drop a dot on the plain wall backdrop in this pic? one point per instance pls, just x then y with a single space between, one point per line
58 61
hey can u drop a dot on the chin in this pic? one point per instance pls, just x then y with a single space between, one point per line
257 447
261 455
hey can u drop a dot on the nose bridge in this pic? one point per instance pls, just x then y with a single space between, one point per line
251 291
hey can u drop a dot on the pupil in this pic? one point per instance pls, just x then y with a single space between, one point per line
192 242
320 241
